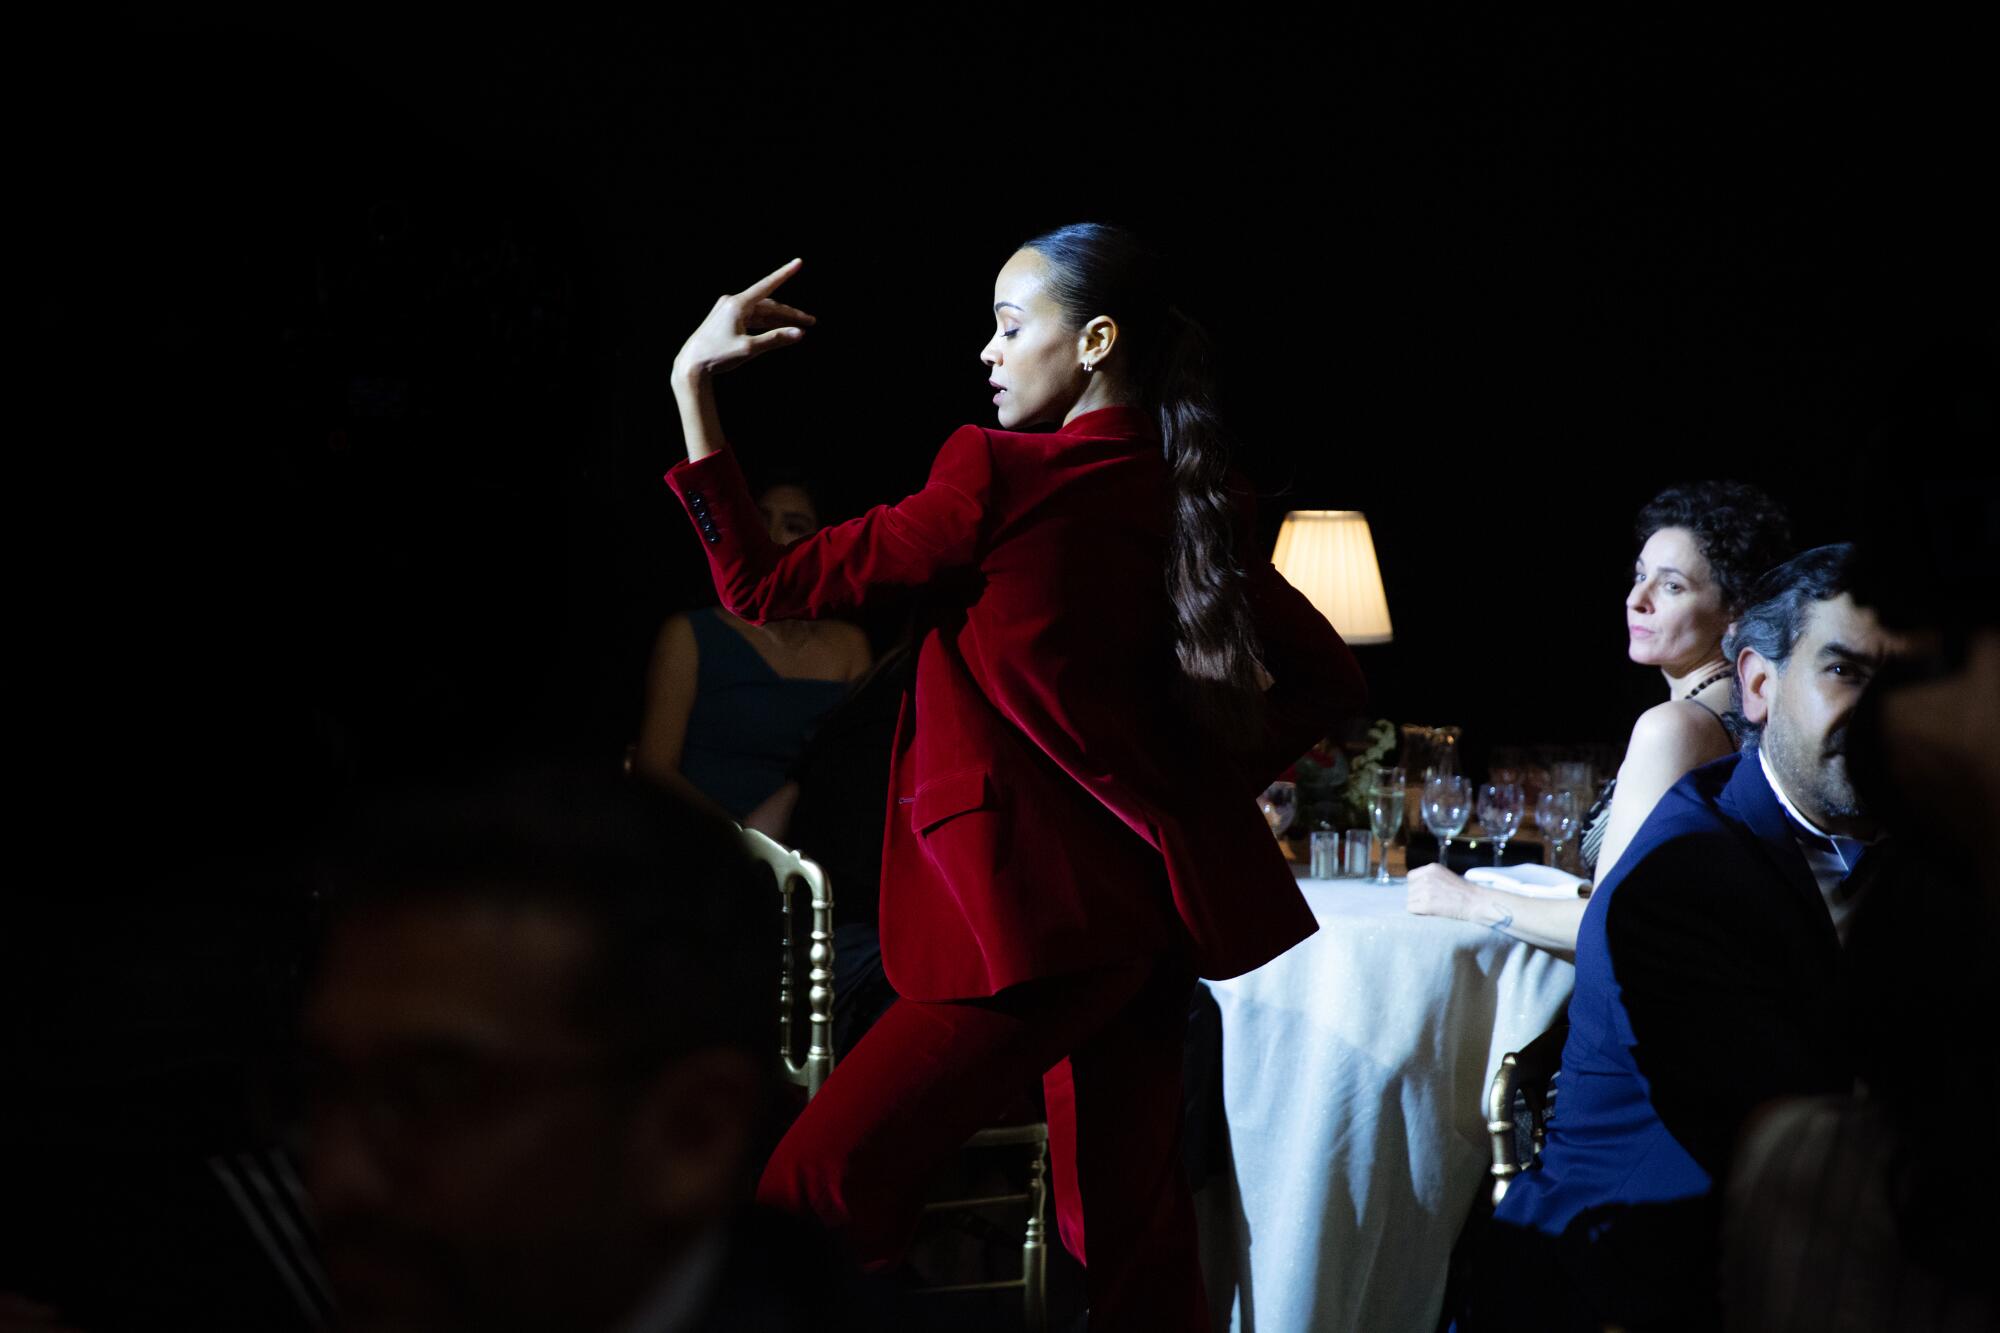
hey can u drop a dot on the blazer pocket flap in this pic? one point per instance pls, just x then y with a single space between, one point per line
952 794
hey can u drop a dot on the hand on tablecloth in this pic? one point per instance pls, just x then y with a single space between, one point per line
1435 891
1547 923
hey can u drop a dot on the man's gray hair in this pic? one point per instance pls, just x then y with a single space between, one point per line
1777 612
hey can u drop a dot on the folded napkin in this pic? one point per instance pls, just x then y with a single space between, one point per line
1530 881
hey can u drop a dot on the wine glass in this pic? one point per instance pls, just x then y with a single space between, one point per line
1447 803
1501 808
1280 802
1556 815
1387 799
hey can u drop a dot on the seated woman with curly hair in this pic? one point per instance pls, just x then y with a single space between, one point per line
1701 547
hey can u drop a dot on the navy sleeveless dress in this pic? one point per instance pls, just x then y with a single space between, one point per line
1599 819
748 723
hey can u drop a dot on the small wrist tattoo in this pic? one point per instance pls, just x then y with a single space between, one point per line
1504 924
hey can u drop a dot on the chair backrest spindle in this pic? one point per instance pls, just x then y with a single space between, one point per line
791 870
1518 1104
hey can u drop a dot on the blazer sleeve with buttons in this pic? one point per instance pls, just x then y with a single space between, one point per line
1050 811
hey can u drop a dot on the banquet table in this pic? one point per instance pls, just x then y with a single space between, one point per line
1354 1073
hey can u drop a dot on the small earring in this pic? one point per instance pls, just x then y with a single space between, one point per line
1087 367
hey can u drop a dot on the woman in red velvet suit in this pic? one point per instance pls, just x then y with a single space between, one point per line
1106 679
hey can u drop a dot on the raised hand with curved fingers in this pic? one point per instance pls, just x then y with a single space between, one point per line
743 325
740 326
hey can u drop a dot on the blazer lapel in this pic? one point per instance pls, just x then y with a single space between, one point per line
1749 797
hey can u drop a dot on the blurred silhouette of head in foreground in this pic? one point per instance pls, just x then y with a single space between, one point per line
536 1047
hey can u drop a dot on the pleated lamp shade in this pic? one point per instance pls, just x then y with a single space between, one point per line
1329 555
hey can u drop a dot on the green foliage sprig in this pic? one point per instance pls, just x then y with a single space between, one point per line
1333 785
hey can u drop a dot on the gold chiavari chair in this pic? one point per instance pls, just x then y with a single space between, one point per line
815 988
806 981
1519 1102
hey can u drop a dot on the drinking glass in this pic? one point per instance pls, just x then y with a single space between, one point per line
1279 803
1324 845
1502 805
1556 815
1385 813
1447 804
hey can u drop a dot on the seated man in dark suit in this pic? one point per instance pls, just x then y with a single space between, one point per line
1708 982
539 1047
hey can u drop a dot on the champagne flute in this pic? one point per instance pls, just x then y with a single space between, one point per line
1447 804
1386 802
1556 815
1501 808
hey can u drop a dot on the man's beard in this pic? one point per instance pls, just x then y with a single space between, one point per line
1836 795
1815 776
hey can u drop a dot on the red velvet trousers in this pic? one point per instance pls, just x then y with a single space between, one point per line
1106 1045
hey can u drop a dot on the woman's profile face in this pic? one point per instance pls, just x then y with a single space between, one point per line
788 512
1033 352
1674 616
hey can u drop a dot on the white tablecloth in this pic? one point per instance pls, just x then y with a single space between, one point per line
1354 1070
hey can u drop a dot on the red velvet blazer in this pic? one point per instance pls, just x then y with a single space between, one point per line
1051 810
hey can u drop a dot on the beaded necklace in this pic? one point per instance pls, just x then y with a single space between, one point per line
1723 674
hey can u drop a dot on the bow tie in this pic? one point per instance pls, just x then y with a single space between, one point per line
1848 850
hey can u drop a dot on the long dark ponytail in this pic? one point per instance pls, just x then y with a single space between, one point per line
1096 269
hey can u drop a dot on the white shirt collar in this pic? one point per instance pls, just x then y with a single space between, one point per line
1778 790
1823 857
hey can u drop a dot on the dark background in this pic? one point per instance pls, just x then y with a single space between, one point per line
349 404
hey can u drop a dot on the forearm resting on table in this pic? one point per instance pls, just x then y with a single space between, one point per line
1547 923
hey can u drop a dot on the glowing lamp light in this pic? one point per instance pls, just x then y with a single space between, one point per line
1329 555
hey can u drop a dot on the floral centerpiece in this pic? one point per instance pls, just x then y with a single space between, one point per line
1334 782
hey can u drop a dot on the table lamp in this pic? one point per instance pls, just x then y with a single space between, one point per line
1329 555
